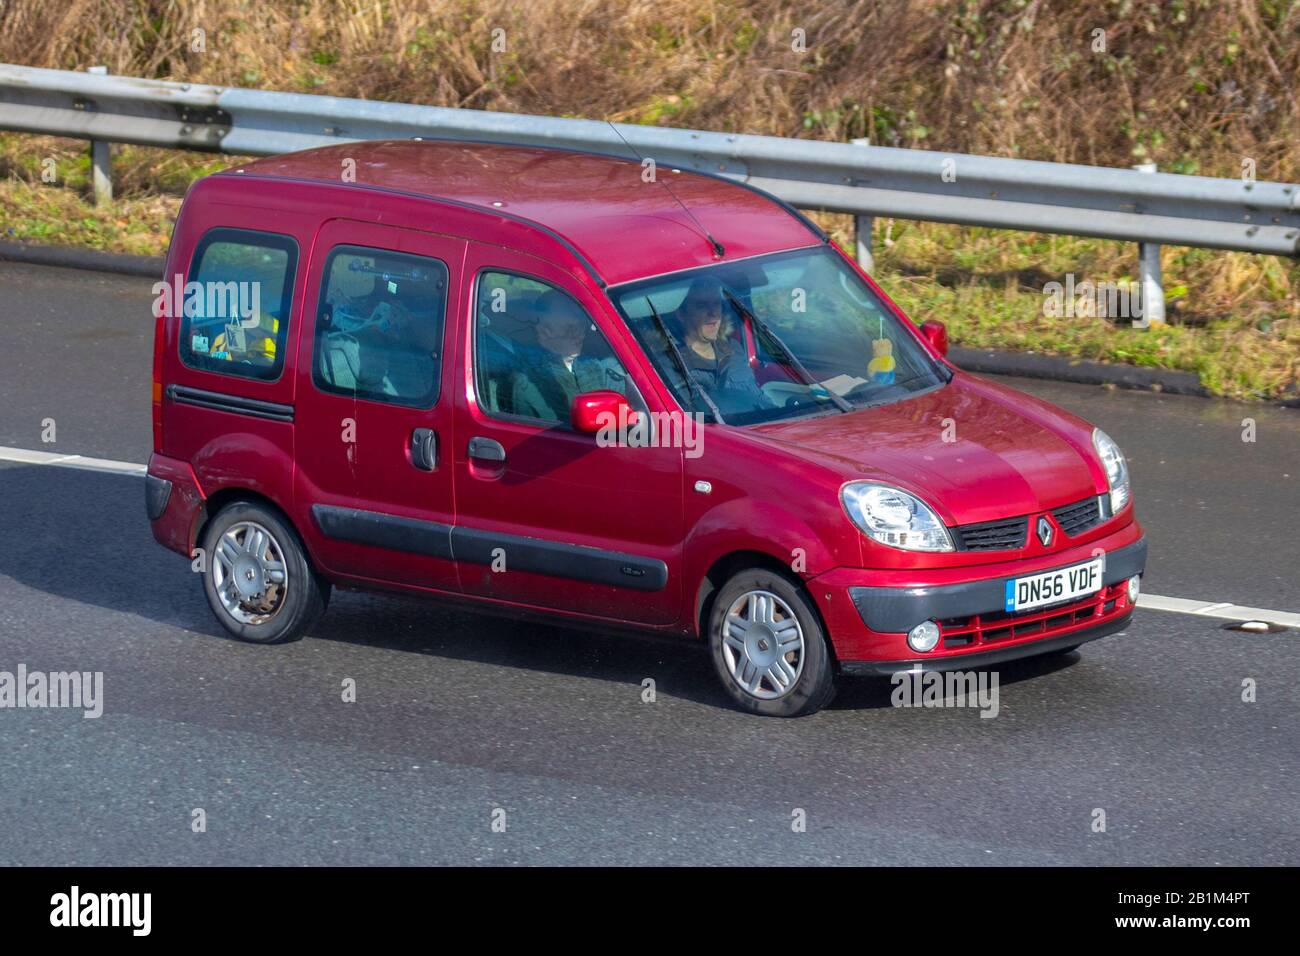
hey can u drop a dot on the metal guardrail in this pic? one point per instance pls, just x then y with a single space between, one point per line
1122 204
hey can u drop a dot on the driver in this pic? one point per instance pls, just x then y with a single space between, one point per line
712 356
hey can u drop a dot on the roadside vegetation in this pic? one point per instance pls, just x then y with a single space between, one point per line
1197 86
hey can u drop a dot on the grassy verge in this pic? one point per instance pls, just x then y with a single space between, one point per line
1234 319
45 194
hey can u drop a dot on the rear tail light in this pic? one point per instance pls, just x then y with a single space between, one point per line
159 339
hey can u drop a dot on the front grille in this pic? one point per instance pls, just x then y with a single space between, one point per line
1079 517
998 626
1001 535
1006 534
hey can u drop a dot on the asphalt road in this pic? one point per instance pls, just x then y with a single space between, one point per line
458 715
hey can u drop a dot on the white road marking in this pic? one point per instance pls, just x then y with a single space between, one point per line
25 457
1220 610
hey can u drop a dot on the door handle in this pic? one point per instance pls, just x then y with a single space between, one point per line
424 449
485 449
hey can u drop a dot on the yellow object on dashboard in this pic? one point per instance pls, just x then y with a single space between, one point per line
255 342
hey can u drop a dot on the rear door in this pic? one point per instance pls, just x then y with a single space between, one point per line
548 517
374 422
227 407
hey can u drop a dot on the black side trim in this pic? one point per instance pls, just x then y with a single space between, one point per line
986 658
384 531
465 544
898 610
157 492
560 560
235 404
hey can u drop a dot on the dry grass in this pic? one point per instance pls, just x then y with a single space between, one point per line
1197 86
1191 84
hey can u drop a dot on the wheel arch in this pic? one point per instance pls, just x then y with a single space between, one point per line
218 500
724 567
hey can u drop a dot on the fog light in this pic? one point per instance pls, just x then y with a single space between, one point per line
1134 586
924 637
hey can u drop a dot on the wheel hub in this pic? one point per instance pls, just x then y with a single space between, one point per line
763 645
760 645
249 573
249 577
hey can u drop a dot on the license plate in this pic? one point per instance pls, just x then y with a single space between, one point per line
1053 587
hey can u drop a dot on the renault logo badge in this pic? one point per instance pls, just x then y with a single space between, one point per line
1044 531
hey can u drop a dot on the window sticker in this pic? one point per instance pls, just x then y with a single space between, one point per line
199 343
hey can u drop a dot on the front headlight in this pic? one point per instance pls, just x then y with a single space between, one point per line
895 518
1112 459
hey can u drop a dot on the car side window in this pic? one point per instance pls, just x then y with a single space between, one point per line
235 307
536 349
379 326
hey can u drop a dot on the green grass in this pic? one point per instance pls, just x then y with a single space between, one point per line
148 184
1234 319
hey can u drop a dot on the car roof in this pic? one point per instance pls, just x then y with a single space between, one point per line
626 228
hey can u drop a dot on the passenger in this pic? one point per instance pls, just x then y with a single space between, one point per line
497 356
552 375
397 353
716 362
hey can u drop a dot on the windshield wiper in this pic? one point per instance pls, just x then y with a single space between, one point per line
680 361
789 356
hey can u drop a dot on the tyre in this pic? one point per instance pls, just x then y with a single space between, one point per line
258 581
768 646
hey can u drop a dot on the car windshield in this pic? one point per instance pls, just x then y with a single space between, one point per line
775 337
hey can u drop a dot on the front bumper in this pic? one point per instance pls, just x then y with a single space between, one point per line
901 609
868 613
988 658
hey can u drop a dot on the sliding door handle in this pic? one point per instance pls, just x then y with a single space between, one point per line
424 449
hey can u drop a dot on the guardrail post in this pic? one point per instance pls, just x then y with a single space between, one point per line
862 230
1150 280
101 161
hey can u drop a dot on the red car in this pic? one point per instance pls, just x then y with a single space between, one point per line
548 382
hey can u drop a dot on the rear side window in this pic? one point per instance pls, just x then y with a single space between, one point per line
379 326
235 307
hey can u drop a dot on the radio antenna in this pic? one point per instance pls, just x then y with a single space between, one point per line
718 248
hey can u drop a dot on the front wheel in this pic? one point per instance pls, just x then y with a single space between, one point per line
768 646
258 581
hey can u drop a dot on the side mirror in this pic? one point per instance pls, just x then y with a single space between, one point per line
936 333
593 411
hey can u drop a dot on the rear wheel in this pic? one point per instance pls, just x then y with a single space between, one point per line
768 646
258 580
